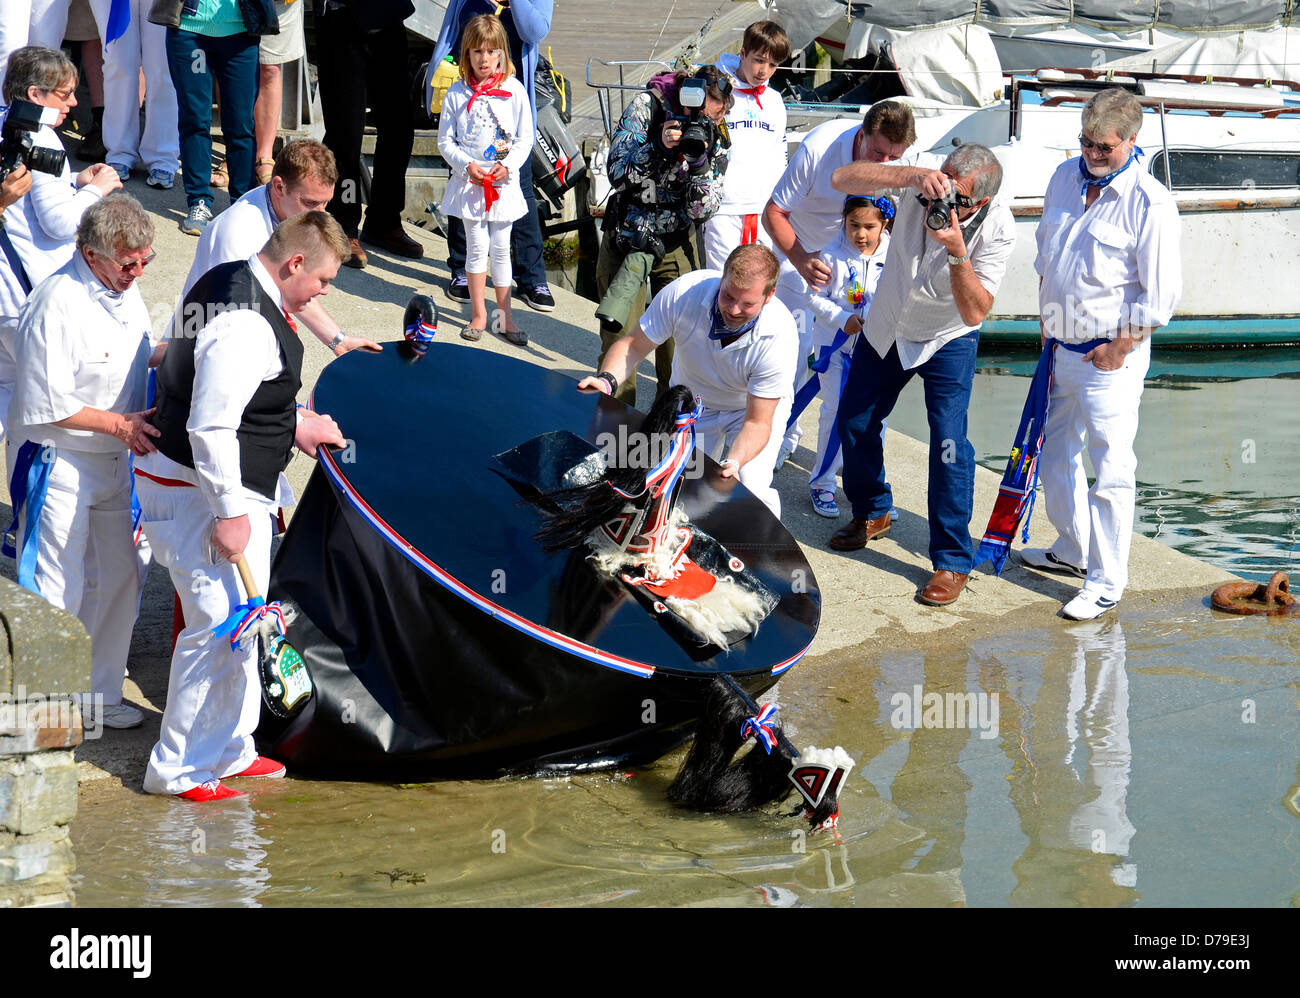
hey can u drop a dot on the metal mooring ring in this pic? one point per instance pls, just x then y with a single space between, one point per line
1274 599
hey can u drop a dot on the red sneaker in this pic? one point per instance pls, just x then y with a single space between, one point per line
262 766
205 792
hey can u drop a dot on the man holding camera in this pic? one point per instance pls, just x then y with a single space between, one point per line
666 164
804 214
949 251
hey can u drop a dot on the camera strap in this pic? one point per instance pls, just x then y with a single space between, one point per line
15 264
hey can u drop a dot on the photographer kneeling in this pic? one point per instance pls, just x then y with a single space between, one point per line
666 164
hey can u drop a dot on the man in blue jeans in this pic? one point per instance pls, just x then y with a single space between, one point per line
215 42
936 289
527 23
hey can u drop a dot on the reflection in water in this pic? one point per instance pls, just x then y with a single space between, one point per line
1179 723
1070 757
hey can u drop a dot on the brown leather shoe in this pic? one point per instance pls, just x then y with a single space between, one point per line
395 241
358 259
855 535
943 588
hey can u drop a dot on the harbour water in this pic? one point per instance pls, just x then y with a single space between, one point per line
1120 755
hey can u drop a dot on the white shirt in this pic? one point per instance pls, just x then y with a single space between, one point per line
43 224
236 234
464 137
914 305
816 208
850 271
233 355
761 363
78 344
757 156
1117 263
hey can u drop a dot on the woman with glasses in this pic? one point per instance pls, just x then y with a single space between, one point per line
39 229
76 417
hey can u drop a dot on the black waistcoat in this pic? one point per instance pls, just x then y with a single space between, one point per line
266 430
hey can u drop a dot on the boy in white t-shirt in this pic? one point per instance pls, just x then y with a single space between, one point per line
756 123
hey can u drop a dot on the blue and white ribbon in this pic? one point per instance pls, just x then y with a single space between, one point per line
239 625
760 727
420 334
27 488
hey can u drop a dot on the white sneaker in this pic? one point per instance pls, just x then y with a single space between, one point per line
782 456
1042 558
1087 606
119 716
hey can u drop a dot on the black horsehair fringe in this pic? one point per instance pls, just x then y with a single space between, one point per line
585 508
710 781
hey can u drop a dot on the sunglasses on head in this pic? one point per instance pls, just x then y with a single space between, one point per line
1101 147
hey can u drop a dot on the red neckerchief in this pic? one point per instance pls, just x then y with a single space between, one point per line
485 88
289 318
755 92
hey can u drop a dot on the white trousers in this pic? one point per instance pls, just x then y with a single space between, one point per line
723 233
213 694
86 560
144 46
1095 525
15 29
488 242
48 21
830 455
714 433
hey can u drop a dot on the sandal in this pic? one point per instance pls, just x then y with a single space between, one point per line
265 167
220 178
472 334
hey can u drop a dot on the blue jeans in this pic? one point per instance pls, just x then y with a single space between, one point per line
873 387
525 239
195 60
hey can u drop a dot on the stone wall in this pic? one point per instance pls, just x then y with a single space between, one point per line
44 659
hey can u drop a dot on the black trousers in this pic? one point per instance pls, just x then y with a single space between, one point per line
356 68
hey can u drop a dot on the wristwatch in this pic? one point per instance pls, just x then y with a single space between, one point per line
340 336
957 261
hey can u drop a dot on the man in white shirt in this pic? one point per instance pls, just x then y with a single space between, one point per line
805 211
303 180
936 289
76 416
735 351
227 423
756 123
1111 273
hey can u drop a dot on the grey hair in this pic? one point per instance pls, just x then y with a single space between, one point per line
115 224
972 159
34 66
1112 109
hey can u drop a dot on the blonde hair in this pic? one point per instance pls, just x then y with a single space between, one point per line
484 32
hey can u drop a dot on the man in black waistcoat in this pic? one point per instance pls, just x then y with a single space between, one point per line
228 420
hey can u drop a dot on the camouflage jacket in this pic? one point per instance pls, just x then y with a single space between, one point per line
656 189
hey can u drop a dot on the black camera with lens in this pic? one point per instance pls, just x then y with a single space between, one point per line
938 211
17 144
699 132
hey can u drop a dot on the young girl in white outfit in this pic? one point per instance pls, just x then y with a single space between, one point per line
856 259
485 135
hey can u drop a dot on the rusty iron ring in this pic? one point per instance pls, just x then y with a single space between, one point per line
1273 599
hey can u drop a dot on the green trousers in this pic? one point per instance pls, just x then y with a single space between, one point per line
629 300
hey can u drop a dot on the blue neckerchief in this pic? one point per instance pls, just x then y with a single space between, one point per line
1101 183
718 329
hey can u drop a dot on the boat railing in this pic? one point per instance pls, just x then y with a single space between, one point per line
605 89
